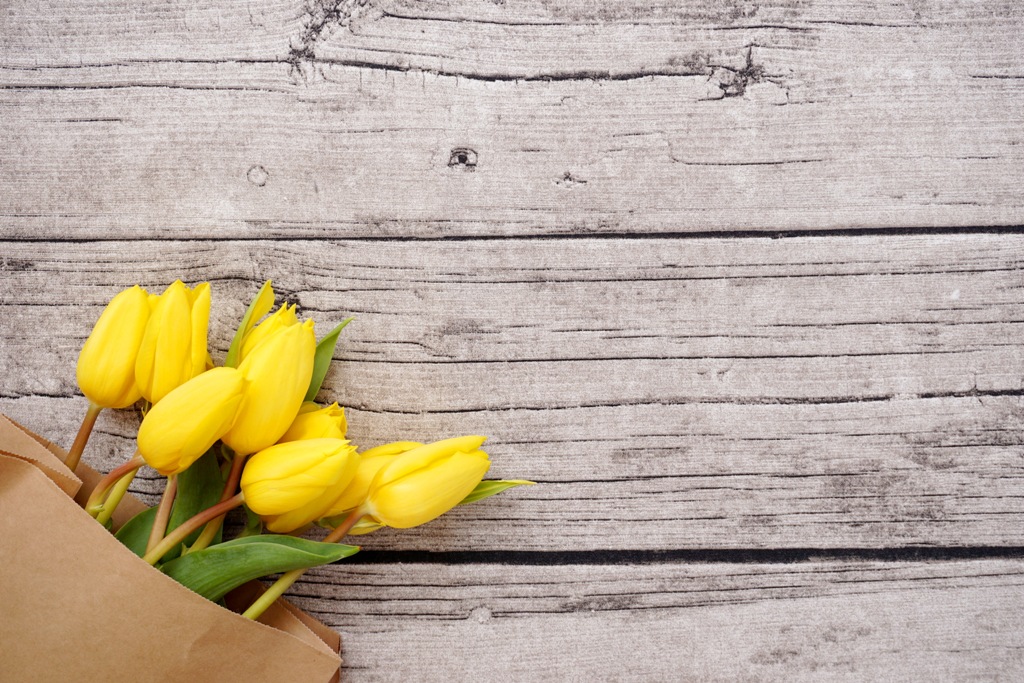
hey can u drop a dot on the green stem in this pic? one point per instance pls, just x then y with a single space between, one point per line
181 533
95 503
75 454
114 499
213 526
163 513
288 578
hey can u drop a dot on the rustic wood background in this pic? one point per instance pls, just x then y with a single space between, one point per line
740 284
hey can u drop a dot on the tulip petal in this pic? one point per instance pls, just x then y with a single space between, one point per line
370 463
287 476
165 360
309 407
355 493
183 426
258 308
428 493
423 456
393 448
278 371
280 319
367 525
318 507
106 364
314 422
200 326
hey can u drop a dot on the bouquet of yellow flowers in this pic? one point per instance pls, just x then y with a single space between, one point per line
248 434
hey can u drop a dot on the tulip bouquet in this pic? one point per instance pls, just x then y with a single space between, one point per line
248 434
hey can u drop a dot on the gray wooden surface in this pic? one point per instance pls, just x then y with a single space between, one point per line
739 284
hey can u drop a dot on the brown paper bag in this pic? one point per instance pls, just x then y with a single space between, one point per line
76 605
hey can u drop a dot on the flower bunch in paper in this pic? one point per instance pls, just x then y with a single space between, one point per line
248 433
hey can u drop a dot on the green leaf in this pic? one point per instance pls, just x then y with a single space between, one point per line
486 489
214 571
322 360
199 487
253 523
135 532
365 525
259 307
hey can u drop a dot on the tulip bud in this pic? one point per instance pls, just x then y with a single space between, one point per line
366 525
425 482
106 365
173 348
278 369
292 484
314 422
370 463
180 428
278 320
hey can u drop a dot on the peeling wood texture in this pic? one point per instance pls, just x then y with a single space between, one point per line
739 284
295 119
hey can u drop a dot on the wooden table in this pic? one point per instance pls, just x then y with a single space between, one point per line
740 285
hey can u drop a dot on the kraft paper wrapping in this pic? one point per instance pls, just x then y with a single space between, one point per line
76 605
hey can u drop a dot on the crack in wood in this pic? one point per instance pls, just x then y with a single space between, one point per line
322 17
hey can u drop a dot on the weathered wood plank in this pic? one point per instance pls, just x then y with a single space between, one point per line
567 39
832 392
629 321
49 33
668 394
446 119
878 474
848 620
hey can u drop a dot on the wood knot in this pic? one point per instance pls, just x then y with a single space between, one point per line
462 157
258 176
568 180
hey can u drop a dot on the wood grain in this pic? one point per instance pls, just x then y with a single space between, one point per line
759 459
703 393
915 473
835 620
468 118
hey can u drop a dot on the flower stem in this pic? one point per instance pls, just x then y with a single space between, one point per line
75 454
163 513
114 499
181 533
213 526
95 503
288 578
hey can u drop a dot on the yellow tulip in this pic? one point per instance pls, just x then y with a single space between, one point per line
281 318
173 348
292 484
314 422
364 526
278 370
259 307
425 482
190 419
370 463
106 365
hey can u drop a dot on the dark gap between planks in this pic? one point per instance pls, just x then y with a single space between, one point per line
578 234
688 556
